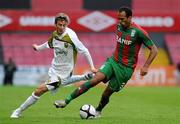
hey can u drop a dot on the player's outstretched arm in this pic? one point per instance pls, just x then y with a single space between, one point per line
35 46
152 55
40 47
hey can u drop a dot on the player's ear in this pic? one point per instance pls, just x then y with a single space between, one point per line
130 17
55 25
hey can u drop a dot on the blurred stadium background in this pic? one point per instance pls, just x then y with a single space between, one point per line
24 22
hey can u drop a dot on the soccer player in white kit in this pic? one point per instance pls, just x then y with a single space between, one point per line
66 45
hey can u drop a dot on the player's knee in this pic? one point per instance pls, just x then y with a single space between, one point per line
99 77
95 81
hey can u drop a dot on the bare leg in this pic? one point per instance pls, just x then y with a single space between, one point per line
105 98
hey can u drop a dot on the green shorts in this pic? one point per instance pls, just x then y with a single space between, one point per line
116 73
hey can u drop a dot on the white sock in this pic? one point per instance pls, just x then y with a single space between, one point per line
29 101
73 79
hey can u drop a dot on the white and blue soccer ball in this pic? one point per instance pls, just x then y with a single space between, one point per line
87 111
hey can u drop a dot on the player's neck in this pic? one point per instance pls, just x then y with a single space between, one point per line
131 24
60 33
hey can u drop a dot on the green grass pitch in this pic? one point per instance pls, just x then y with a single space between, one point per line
132 105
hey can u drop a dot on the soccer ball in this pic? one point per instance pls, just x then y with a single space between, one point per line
87 112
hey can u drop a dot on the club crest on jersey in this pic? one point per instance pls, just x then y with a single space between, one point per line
133 33
66 45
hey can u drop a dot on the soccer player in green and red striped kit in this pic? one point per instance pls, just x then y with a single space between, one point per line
118 69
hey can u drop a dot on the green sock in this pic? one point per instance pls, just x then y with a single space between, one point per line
80 90
68 99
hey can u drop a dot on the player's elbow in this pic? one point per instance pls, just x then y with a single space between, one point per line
85 51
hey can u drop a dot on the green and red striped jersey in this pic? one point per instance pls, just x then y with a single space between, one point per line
128 45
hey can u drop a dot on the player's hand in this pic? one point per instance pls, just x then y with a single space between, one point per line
143 71
94 70
35 47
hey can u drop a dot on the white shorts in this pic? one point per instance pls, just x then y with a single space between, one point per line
54 81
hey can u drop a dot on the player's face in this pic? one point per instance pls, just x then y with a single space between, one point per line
60 26
123 19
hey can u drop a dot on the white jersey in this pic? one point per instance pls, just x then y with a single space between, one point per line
65 48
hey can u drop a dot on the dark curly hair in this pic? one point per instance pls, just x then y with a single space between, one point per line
127 10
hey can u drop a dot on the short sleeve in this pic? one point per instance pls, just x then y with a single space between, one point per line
145 39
